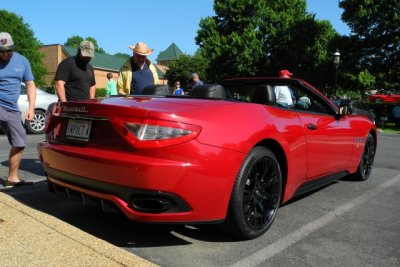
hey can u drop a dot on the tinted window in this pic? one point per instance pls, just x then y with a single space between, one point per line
241 92
304 98
307 100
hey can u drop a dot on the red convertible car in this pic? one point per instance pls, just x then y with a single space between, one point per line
227 153
385 96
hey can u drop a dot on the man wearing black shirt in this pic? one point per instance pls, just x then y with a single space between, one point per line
75 76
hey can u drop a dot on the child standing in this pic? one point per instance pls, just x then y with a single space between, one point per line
111 86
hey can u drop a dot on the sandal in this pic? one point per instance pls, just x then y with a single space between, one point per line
17 184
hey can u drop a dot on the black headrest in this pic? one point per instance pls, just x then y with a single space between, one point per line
156 90
209 90
264 94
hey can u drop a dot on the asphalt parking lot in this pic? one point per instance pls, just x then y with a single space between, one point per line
343 224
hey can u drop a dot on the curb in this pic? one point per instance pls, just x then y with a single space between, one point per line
32 238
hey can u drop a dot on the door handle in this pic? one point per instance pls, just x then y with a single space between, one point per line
311 126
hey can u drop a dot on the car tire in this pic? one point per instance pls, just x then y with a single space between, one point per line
37 125
367 159
256 195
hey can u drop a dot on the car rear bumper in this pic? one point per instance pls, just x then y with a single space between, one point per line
144 186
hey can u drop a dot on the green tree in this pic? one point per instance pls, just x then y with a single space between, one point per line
366 79
375 33
232 39
122 55
306 48
260 37
25 43
75 40
97 48
182 68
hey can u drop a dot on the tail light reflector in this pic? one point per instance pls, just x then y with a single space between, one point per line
150 133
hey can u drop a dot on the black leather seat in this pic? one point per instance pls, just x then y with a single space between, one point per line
209 91
264 94
156 90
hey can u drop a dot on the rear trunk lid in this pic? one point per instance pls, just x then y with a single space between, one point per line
102 122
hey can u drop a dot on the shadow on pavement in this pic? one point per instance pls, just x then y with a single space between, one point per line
114 228
29 165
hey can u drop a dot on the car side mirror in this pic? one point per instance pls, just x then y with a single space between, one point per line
345 109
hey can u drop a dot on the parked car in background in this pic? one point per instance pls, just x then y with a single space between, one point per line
43 100
385 96
227 153
357 108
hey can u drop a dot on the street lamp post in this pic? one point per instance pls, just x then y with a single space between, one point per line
336 62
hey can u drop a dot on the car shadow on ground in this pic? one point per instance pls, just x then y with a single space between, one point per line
309 193
114 228
322 188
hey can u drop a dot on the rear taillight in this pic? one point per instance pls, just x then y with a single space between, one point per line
154 133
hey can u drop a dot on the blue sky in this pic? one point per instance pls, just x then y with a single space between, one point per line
119 23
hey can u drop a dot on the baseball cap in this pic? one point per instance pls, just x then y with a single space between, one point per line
87 48
6 42
285 72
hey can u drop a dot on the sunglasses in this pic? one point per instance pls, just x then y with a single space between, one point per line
6 51
177 84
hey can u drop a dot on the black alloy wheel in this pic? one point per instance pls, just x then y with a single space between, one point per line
256 195
367 159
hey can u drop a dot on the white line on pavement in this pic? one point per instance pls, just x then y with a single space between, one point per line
281 244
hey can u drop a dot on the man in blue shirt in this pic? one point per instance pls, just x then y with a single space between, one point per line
14 69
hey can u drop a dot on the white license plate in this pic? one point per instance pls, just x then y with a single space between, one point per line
78 130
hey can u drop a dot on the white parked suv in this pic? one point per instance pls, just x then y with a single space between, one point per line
43 100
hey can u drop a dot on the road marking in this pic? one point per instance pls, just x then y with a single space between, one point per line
283 243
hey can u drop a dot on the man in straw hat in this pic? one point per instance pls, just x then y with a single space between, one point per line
14 69
137 72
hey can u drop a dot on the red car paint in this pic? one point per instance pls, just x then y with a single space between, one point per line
197 169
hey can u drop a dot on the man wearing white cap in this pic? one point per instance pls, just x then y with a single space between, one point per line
137 72
14 69
75 78
283 93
